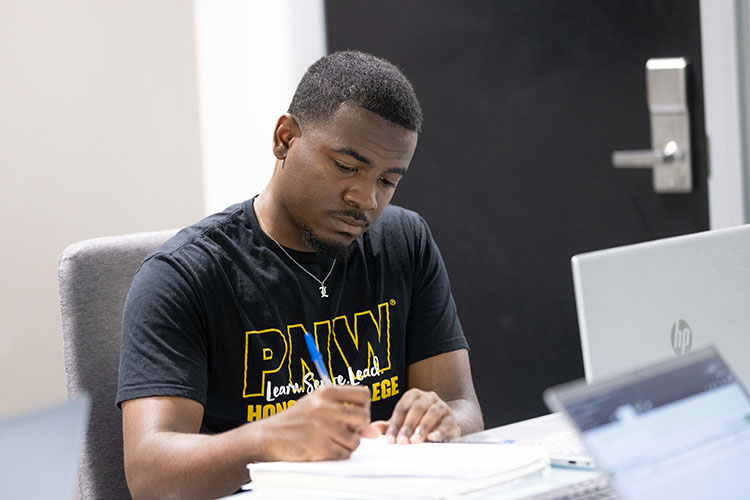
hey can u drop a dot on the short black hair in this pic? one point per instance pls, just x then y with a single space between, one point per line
363 79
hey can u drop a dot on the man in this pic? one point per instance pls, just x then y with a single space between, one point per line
214 372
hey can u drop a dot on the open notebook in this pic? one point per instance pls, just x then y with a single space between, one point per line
676 429
380 470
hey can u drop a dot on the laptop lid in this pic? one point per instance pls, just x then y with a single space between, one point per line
39 451
677 429
640 303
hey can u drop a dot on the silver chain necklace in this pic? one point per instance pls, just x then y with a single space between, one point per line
322 282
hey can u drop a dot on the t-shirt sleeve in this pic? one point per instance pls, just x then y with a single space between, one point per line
433 326
163 349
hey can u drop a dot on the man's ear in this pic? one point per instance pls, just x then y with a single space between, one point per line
287 129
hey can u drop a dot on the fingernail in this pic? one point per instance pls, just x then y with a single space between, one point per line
402 439
390 439
416 437
434 436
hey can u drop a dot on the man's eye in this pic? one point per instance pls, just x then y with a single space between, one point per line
387 183
344 168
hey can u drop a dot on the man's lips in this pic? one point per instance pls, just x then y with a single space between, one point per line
349 224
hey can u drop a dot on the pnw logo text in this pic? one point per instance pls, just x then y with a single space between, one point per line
356 350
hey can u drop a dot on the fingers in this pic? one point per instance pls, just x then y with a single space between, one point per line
421 416
448 428
375 429
347 440
322 425
407 415
343 411
356 395
350 404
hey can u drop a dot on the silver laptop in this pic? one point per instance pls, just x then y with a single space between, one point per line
677 429
643 302
552 432
39 451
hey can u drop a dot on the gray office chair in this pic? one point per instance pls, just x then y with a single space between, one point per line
94 278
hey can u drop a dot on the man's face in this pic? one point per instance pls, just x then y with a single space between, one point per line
338 177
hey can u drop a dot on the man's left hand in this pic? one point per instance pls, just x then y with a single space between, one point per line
419 416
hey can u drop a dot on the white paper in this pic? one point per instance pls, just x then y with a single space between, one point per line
377 458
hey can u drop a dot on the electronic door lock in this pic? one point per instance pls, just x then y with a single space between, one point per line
670 129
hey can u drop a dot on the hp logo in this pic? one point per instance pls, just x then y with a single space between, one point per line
682 337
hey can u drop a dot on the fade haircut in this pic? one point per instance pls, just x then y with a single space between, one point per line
363 79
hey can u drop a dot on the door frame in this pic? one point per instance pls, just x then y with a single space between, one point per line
725 46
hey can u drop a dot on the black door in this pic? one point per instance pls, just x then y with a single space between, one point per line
524 101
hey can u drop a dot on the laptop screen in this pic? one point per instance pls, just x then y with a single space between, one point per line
680 430
39 450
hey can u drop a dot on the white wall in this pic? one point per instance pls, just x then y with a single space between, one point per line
108 125
251 56
99 135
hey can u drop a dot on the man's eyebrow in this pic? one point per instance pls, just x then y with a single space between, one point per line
397 170
355 155
363 159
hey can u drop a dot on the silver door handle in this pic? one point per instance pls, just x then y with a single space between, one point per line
648 158
670 129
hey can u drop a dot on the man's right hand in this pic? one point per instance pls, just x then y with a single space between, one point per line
323 425
166 457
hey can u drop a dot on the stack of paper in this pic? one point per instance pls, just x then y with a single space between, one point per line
429 470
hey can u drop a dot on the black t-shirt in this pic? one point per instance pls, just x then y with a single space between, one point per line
217 314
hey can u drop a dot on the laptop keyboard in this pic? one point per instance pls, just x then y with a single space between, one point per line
597 488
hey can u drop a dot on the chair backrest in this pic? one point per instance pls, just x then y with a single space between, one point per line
94 279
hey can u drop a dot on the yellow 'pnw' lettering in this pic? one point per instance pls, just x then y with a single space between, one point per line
298 348
366 330
263 361
333 337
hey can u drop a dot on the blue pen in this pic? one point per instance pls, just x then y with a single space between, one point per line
317 359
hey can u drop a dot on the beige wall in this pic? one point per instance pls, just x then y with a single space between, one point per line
99 135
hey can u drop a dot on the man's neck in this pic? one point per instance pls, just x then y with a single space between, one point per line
271 217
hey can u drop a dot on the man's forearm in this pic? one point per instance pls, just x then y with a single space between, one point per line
184 466
468 414
165 457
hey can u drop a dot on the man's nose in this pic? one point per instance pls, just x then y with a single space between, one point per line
362 195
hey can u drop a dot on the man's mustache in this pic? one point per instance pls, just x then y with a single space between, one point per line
352 214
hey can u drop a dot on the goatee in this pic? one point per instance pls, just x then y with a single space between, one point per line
329 248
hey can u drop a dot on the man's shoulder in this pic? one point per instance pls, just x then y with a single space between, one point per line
207 236
395 217
398 227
